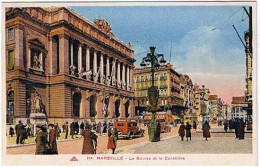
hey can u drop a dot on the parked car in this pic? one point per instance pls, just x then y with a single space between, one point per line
128 129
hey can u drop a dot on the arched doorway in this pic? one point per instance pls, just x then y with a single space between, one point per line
117 111
127 109
105 107
92 106
76 104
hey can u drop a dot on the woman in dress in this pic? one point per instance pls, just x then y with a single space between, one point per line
88 147
182 131
206 129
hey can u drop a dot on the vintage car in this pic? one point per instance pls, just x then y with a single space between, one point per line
163 118
128 129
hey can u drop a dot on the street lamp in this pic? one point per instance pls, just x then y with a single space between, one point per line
153 94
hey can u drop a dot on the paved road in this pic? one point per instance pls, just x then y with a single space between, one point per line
217 144
75 146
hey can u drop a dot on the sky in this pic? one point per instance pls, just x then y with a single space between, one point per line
200 39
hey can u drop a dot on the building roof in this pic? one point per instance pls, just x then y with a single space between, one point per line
213 97
237 100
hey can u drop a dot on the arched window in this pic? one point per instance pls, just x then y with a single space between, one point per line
117 106
76 104
10 103
92 108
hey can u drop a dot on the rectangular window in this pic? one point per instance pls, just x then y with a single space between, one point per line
10 34
10 59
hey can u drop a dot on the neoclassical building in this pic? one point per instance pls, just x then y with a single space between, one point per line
65 66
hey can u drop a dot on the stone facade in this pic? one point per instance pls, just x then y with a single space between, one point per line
65 66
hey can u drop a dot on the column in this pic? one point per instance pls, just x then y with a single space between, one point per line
80 58
108 67
123 76
101 67
71 53
87 58
64 54
50 55
127 79
41 60
118 72
131 77
95 63
113 68
19 60
29 59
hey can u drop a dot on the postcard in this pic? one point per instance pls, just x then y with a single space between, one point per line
127 83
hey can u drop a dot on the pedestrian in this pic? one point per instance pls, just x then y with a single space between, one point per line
104 127
76 128
241 129
99 127
206 128
194 125
112 139
88 147
66 129
72 130
81 127
11 131
182 131
188 132
225 125
41 140
94 141
235 127
63 128
24 134
56 129
53 149
19 132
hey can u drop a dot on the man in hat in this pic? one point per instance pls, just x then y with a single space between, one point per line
19 129
66 129
41 140
53 149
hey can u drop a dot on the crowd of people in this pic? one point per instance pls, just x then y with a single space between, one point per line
47 135
238 125
187 130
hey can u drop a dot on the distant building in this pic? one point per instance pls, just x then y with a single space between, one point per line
213 102
168 82
237 111
226 111
187 93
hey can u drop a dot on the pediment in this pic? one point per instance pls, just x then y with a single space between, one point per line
36 42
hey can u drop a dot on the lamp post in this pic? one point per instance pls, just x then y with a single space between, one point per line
153 94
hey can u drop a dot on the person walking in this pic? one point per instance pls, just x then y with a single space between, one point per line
112 139
188 131
72 130
11 131
81 126
225 125
56 129
76 128
53 149
235 127
194 125
206 128
104 127
182 131
88 147
19 128
241 129
41 140
99 127
66 130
